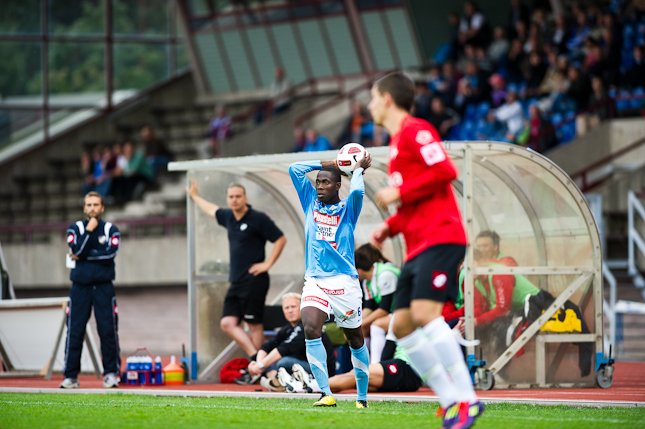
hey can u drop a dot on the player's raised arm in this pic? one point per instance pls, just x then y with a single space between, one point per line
357 187
298 172
206 206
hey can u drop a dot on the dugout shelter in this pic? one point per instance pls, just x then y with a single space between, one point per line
541 216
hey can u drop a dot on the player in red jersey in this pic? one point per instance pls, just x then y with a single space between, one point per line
420 173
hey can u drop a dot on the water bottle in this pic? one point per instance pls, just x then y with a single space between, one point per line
144 365
129 367
158 374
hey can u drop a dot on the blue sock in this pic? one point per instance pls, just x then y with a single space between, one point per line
361 363
317 358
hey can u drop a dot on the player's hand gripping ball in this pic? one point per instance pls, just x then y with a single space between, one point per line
349 156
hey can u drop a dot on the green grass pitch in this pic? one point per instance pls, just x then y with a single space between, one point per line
133 411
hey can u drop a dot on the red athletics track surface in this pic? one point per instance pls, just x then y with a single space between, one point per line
628 386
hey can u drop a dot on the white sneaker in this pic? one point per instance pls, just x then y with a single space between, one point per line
301 375
291 385
70 383
110 380
272 385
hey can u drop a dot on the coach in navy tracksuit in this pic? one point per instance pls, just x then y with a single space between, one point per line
93 244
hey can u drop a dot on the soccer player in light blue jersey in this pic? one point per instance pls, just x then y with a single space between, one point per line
331 280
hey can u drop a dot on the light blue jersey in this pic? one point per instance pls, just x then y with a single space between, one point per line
329 229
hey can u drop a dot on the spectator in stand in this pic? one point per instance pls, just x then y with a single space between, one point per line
541 132
358 128
279 97
157 153
298 139
557 98
498 89
315 142
484 64
535 73
560 34
108 161
579 88
465 96
435 78
121 163
136 174
453 22
594 63
522 32
477 79
580 33
539 19
101 180
219 129
447 88
534 41
422 100
280 92
515 63
511 114
519 13
634 77
467 56
549 81
473 28
498 49
87 166
598 106
442 117
612 44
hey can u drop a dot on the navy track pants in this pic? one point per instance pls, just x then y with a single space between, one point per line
82 299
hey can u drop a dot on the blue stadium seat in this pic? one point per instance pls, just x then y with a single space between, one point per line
623 100
556 120
638 98
569 128
467 131
481 130
454 132
482 109
471 112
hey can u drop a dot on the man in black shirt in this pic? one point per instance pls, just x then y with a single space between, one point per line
248 232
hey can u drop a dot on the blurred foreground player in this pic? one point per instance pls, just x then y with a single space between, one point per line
331 280
420 173
93 244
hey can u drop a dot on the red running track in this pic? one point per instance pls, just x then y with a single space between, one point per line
628 386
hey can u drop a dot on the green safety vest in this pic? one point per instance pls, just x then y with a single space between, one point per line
380 268
522 288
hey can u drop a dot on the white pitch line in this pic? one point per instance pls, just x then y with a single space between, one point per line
280 395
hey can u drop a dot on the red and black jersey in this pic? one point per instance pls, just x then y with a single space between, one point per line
421 169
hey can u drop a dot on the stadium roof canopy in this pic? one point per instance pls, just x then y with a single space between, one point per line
542 218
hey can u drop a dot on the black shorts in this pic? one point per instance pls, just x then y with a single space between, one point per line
432 274
398 376
245 300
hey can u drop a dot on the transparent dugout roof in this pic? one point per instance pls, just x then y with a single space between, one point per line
541 216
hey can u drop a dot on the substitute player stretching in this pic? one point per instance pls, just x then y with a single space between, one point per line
331 280
420 173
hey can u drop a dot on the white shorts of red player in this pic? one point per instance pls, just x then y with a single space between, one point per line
340 294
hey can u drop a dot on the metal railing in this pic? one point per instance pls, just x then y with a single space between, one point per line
169 223
634 239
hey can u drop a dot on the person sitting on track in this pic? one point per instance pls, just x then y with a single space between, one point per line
286 348
379 278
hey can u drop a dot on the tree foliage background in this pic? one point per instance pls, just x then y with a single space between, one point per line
76 67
